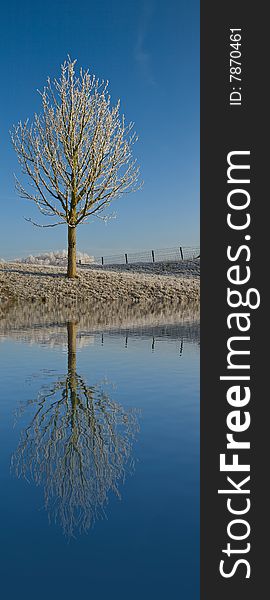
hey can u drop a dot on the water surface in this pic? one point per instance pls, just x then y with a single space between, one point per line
99 459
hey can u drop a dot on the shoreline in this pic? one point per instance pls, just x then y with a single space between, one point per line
146 285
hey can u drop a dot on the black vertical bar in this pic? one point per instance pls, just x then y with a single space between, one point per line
230 127
153 256
181 253
102 260
126 258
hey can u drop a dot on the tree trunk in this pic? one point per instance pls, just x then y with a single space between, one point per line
71 271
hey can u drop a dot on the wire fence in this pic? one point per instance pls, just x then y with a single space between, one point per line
149 256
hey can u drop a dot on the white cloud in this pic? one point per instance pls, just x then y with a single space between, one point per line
142 56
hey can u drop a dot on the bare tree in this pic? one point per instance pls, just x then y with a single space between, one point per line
77 154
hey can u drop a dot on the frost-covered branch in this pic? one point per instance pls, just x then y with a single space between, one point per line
76 154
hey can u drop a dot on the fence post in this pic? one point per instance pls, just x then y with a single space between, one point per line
126 257
102 260
153 256
181 252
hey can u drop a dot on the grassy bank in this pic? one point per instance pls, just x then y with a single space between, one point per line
48 285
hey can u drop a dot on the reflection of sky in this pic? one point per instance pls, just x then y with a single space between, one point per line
150 539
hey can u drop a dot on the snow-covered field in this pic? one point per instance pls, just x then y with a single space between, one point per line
30 283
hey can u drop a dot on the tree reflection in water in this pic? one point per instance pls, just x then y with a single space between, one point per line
78 447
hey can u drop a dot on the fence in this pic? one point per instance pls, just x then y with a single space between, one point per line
150 256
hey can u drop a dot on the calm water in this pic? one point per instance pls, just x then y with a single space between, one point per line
99 462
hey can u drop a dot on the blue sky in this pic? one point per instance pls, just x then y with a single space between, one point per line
149 51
